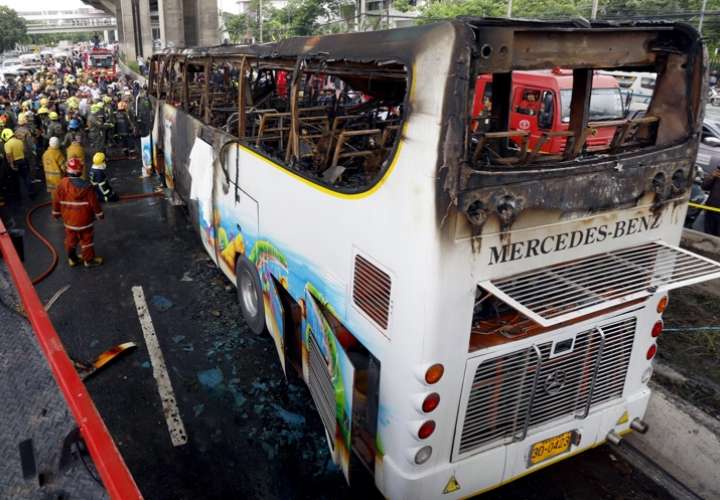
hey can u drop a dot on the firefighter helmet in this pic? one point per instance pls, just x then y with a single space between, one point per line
6 134
53 115
74 166
99 158
43 110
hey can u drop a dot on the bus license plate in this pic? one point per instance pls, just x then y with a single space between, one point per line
543 450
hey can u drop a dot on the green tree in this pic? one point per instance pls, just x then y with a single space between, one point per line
237 26
12 29
444 9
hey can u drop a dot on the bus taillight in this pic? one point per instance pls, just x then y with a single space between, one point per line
431 402
426 429
651 352
434 373
662 304
423 455
657 329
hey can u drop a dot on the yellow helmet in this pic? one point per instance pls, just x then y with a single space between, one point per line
43 110
107 99
95 107
99 158
6 134
44 102
53 115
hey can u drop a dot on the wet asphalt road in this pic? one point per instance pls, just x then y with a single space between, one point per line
251 433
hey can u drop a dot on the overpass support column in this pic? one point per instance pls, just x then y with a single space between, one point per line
172 23
207 22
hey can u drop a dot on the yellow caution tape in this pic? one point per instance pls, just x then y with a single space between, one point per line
704 207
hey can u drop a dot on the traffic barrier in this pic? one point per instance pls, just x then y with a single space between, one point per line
110 465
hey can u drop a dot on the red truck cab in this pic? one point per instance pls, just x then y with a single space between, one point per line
98 62
541 103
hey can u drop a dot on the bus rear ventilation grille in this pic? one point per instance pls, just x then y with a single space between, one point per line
371 291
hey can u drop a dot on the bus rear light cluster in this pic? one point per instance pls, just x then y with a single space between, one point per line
651 352
434 373
431 402
423 455
657 329
426 429
662 304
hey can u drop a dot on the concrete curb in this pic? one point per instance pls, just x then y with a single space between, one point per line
682 440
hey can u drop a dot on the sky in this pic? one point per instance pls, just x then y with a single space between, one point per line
226 5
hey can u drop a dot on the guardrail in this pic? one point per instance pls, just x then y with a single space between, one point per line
110 465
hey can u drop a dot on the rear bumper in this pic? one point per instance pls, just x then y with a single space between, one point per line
495 467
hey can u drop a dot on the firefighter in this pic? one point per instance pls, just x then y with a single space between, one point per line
53 164
77 151
75 200
54 128
99 179
73 131
97 129
18 164
124 129
25 134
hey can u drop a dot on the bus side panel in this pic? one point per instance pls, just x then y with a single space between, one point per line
341 373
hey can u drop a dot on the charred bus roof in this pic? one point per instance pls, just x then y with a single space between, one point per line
500 171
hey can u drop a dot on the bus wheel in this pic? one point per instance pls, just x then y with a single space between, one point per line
250 296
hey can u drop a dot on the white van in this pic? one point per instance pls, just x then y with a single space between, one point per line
636 87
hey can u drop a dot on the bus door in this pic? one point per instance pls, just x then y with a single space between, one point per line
533 110
235 214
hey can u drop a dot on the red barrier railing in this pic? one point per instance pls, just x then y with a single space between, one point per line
114 473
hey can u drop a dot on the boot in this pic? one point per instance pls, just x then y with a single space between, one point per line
94 262
73 259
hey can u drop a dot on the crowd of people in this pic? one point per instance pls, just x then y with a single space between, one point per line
59 114
58 126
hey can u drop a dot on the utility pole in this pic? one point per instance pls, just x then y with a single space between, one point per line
509 12
593 13
260 18
702 16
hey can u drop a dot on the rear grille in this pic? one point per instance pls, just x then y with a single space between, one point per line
321 387
514 392
371 291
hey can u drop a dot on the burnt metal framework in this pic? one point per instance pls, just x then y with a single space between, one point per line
316 132
575 182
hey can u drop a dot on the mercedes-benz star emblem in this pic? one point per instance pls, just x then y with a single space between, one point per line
555 382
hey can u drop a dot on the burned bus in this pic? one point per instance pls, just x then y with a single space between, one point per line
465 306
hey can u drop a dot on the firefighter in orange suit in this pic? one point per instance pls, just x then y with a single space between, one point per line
75 200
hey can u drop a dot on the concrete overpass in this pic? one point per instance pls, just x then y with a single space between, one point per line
145 26
86 19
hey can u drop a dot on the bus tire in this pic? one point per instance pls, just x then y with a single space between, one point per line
250 297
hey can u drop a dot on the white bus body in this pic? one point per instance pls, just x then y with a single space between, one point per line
581 376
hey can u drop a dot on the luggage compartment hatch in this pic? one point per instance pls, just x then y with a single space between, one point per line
562 292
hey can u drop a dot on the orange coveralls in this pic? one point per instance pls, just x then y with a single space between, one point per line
75 200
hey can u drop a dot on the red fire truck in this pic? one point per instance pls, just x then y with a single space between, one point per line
541 103
98 62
